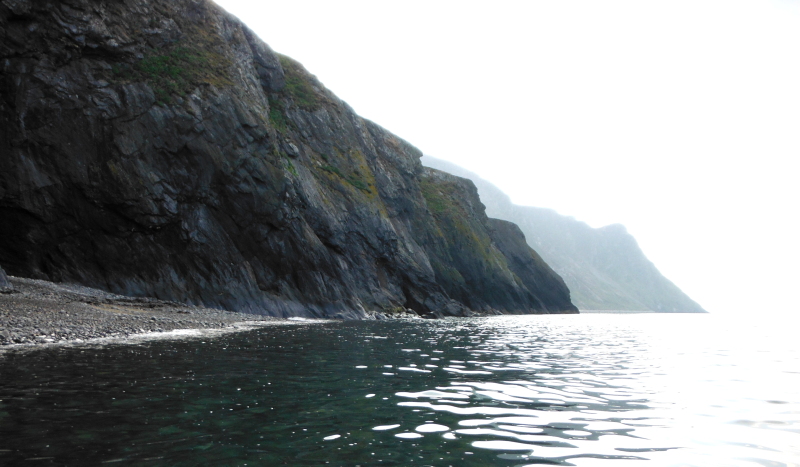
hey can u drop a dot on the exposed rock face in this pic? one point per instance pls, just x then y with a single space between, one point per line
158 148
502 272
604 268
5 284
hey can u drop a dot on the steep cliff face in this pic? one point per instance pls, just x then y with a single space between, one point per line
502 272
604 268
159 148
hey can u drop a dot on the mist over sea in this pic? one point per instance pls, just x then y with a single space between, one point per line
586 390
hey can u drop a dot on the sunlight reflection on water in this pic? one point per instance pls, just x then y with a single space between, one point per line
608 390
666 390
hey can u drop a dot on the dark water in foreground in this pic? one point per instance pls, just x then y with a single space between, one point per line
591 390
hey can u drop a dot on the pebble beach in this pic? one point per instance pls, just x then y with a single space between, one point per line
35 312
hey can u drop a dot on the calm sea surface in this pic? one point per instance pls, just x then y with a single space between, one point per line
589 390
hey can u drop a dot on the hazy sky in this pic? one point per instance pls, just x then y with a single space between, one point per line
679 119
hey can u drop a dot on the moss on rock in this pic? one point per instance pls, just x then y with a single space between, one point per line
299 84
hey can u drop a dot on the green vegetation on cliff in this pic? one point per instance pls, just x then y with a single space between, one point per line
178 67
355 178
175 71
446 201
298 84
276 115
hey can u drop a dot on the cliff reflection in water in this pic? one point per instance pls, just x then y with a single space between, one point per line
569 390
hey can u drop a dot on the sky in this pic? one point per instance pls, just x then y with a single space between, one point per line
679 119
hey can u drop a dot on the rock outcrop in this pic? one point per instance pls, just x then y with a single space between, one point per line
502 272
159 148
604 268
5 284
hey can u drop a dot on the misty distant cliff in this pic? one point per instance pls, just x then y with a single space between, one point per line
159 148
604 268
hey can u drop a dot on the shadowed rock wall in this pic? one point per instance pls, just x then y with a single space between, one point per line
158 148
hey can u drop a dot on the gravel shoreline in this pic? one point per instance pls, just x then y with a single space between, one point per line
40 313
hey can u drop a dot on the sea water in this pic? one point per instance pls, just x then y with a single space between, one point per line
586 390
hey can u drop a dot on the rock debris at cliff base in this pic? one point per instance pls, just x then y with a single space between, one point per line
41 312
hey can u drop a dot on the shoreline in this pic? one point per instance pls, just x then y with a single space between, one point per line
176 334
41 314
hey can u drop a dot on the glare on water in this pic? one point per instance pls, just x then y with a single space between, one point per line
511 391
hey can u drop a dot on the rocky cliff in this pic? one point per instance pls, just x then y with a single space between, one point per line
5 284
158 148
502 272
604 268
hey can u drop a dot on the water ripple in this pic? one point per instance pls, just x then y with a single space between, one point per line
622 395
594 390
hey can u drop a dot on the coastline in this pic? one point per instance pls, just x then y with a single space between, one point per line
39 313
617 312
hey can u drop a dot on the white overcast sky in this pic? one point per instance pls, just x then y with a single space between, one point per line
679 119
